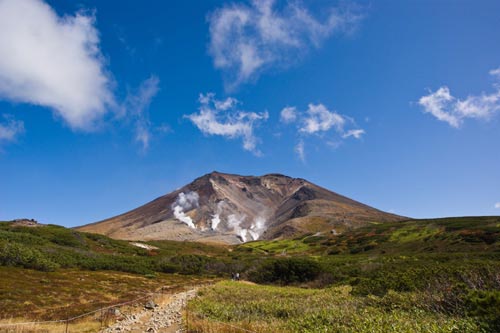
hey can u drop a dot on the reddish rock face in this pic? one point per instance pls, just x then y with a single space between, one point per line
230 209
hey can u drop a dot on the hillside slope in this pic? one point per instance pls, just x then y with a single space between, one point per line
414 257
232 209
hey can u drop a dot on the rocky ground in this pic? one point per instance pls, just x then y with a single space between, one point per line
161 315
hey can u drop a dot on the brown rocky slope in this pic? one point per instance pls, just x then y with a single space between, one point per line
231 209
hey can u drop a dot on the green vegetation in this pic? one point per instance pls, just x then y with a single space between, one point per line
437 275
425 275
448 235
286 271
285 246
36 295
335 309
50 247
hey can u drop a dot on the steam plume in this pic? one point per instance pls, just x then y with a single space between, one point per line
215 221
234 222
185 202
257 227
216 216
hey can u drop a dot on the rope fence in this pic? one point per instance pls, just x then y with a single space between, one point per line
101 321
4 327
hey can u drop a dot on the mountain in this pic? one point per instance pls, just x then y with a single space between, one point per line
226 208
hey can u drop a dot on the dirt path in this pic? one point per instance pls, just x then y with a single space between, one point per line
165 317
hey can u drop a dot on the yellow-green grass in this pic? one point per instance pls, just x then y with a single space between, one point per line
289 309
27 295
285 246
414 233
81 326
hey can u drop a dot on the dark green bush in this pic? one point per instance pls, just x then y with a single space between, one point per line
166 266
15 254
286 271
485 305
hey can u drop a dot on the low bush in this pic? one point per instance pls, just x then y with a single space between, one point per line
286 271
485 305
18 255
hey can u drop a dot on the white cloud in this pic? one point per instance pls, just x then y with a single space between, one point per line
437 104
248 39
224 105
318 120
300 150
136 106
288 115
334 144
356 133
224 118
495 72
497 205
10 129
53 61
445 107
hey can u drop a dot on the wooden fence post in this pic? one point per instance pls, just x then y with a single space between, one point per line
187 317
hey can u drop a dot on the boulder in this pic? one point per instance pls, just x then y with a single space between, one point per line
150 305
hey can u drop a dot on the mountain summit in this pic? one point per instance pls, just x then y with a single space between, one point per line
227 208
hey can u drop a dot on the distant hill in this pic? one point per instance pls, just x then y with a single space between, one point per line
231 209
49 247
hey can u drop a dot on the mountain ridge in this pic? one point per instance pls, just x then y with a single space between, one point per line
230 208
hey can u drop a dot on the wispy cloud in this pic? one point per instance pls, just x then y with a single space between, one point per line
318 120
54 62
288 115
10 129
355 133
300 150
497 205
495 72
136 107
246 40
226 119
445 107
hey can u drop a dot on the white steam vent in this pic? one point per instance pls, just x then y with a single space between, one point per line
215 221
216 216
256 229
234 222
185 202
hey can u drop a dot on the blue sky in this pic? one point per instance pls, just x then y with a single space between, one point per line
105 105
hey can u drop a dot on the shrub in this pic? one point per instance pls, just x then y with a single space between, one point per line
286 271
485 305
15 254
190 263
166 266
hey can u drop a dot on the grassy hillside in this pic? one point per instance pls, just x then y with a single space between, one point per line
36 295
51 272
449 267
437 275
293 310
50 247
447 235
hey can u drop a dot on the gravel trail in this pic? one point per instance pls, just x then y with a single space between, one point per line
165 316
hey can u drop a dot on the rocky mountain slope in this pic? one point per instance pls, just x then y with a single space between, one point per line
231 209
